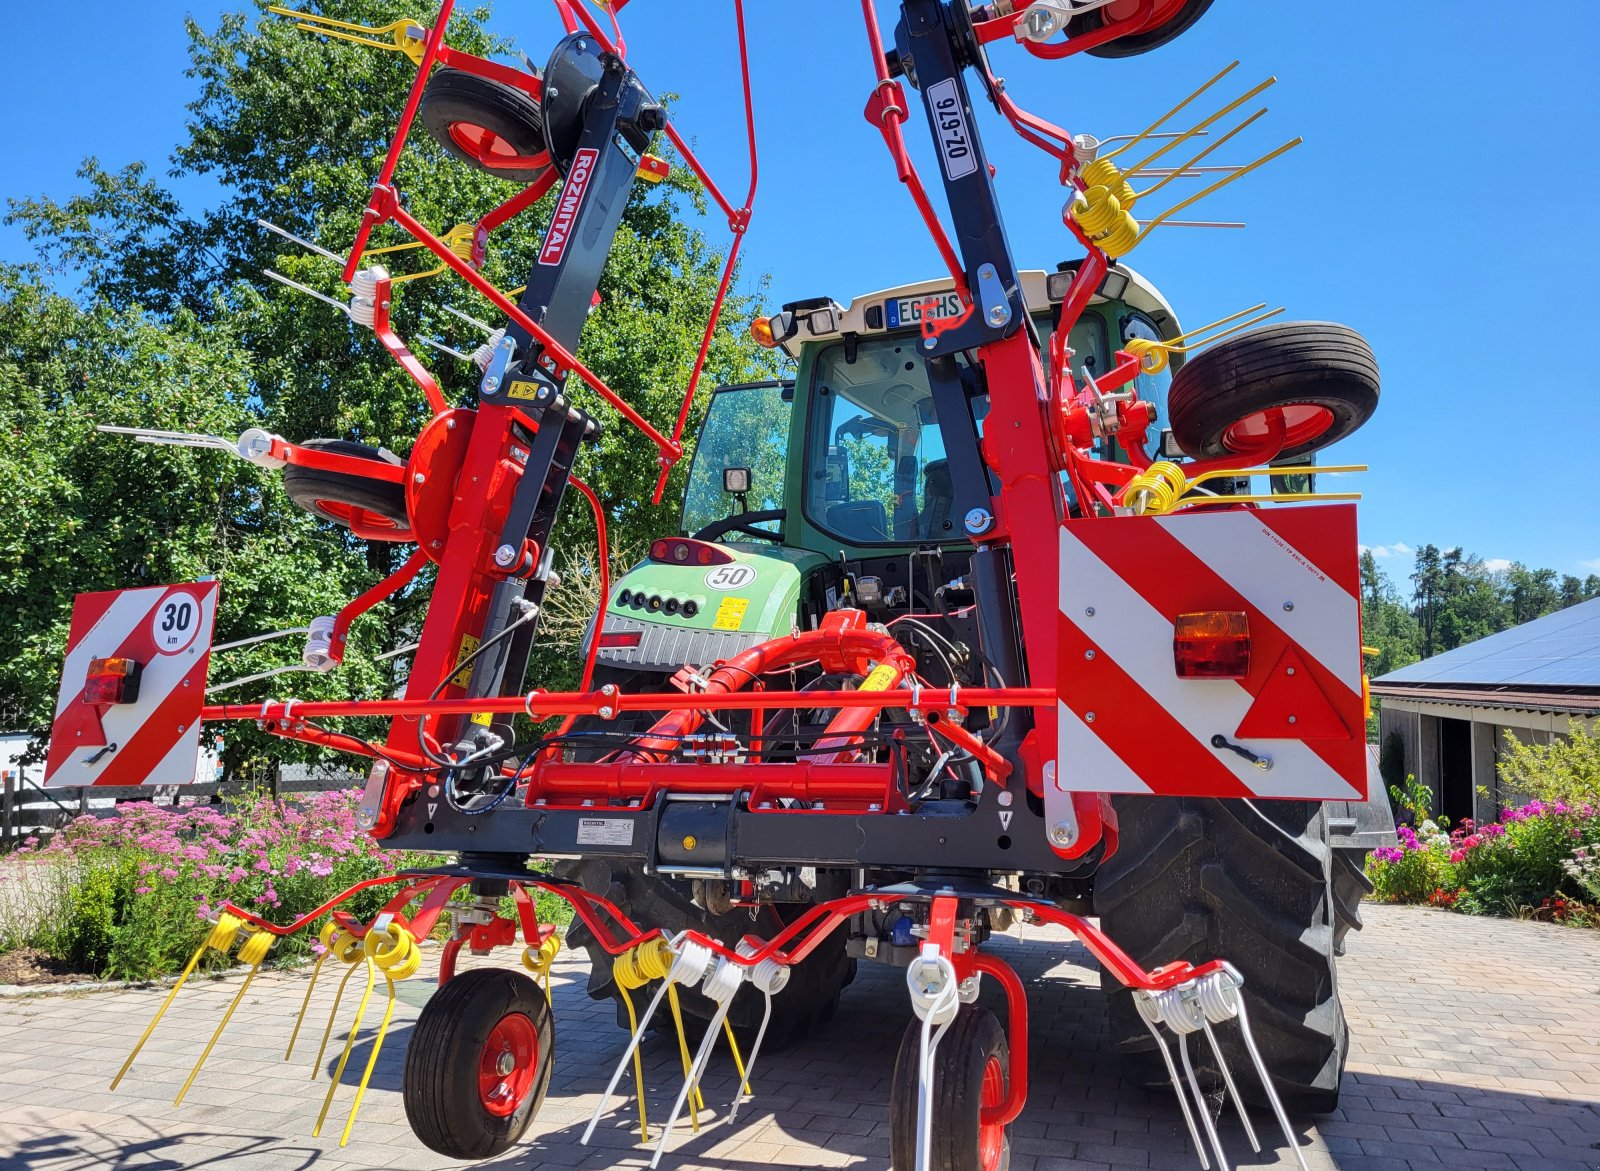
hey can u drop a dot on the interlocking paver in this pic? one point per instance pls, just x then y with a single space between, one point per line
1474 1047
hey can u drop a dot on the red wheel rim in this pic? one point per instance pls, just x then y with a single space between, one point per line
491 150
992 1135
508 1065
1298 423
373 526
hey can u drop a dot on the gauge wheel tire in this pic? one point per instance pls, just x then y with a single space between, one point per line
1131 46
460 1099
806 1003
492 127
970 1068
1250 882
370 508
1319 378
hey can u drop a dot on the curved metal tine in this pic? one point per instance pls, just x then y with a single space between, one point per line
1233 1090
692 1080
255 638
444 349
745 1093
1184 172
300 240
616 1076
930 1047
1202 224
242 680
489 329
1157 134
1266 1083
171 438
310 292
394 654
1200 1102
1183 1100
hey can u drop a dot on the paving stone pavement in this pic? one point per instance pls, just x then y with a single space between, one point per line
1477 1045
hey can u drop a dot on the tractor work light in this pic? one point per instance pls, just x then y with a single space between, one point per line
736 481
687 551
112 681
1212 644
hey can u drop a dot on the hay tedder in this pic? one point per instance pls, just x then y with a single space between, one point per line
1015 605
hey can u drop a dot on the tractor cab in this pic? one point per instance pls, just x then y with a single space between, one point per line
836 486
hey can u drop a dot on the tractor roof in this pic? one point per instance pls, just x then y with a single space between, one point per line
823 319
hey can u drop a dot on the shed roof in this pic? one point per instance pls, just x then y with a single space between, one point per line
1560 650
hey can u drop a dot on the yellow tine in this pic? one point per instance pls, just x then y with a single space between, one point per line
696 1102
206 1052
738 1062
372 1061
1238 173
1243 325
1268 498
392 248
417 276
1154 126
349 1044
1199 126
160 1012
332 1013
316 970
1176 171
638 1065
1285 470
1188 334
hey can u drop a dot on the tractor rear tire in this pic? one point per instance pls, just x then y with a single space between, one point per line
806 1002
1250 882
459 1100
371 508
1350 886
1319 377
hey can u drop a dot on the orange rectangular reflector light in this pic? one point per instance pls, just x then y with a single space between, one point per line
111 681
1212 644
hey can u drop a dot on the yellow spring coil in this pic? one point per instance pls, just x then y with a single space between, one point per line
1104 220
459 240
1156 489
1152 355
632 970
394 952
1105 173
538 961
220 938
252 951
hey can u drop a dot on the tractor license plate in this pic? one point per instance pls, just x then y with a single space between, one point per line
908 310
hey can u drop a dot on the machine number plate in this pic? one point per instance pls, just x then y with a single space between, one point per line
908 310
950 121
605 831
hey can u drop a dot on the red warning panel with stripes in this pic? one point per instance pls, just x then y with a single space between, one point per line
1213 654
132 687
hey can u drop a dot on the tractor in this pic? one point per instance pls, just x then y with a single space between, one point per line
834 490
1018 603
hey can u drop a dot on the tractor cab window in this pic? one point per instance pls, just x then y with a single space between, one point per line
1152 388
876 471
745 427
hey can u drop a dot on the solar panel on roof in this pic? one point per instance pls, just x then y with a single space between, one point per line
1558 650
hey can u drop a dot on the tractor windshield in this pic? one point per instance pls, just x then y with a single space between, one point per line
745 427
875 461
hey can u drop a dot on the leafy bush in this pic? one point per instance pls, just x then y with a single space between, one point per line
134 891
1566 770
1540 860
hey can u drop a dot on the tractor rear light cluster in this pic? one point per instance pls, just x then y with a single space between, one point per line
620 639
657 604
112 681
1212 644
687 551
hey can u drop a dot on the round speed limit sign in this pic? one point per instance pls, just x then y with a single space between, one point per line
175 622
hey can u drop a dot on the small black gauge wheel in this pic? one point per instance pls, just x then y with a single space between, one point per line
370 508
492 127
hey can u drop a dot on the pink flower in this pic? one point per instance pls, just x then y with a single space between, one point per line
1457 855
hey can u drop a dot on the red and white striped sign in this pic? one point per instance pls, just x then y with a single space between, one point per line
1127 723
155 740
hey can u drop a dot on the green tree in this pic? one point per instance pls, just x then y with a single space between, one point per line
1531 593
171 324
1385 622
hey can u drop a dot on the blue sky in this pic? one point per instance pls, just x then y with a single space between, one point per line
1439 204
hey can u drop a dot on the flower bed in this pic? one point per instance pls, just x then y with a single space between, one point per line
129 895
1540 860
